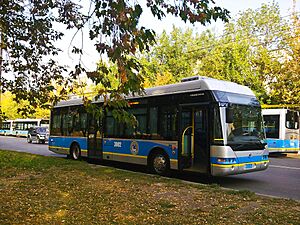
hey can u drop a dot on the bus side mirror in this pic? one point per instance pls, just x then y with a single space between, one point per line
229 115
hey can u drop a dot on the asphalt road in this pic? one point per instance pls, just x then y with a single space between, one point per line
281 179
21 145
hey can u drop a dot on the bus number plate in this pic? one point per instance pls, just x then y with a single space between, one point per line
118 144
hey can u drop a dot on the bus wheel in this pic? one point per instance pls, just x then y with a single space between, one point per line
160 163
75 152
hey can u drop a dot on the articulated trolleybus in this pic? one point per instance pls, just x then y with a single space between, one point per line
201 124
282 130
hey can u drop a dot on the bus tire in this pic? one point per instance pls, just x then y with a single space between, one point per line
75 152
159 163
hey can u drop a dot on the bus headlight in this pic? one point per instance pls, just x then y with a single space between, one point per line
227 160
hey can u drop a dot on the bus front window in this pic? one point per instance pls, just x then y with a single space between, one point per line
292 120
245 132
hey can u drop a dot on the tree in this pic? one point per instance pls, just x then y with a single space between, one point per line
11 109
29 37
259 49
286 88
250 51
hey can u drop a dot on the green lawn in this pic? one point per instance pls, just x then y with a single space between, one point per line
44 190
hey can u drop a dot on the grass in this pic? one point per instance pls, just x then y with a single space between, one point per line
44 190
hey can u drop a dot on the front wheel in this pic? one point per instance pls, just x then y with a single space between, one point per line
75 152
160 163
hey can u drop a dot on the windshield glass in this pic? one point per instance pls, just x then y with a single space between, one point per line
246 130
292 120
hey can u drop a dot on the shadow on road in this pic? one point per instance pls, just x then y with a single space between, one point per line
185 176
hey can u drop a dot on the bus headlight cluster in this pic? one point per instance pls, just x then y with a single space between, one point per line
227 160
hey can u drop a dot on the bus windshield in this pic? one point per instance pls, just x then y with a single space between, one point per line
246 130
292 120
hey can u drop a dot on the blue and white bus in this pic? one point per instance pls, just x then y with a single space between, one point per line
282 130
6 127
21 126
201 124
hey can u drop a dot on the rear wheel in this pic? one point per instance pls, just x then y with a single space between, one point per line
160 163
75 152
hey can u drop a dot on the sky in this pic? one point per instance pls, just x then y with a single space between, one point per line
91 57
234 6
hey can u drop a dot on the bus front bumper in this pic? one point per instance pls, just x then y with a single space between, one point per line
223 170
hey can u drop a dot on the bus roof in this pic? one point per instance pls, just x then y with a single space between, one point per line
276 111
28 120
191 84
7 121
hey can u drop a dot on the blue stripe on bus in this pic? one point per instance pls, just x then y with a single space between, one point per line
7 132
275 143
65 142
144 147
245 159
20 133
120 146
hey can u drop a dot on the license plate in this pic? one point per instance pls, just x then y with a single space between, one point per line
248 166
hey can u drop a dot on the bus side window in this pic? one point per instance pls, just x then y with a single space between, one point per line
76 122
168 123
141 117
67 123
112 127
109 125
56 123
64 124
153 122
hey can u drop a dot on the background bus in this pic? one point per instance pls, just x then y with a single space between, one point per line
194 125
21 126
282 130
6 127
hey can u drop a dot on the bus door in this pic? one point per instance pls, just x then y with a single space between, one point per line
194 139
94 140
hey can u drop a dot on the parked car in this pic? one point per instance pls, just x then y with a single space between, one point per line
38 134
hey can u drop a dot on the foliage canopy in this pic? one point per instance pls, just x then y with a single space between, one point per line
259 48
29 36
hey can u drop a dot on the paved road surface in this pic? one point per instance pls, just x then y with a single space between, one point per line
281 179
21 145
